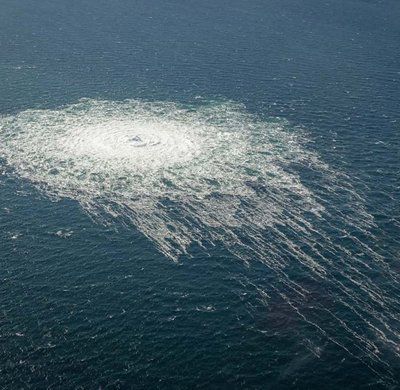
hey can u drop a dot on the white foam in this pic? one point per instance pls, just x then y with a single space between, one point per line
139 160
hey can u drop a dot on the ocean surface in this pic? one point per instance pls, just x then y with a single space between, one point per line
200 194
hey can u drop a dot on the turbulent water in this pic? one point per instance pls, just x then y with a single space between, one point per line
213 174
179 174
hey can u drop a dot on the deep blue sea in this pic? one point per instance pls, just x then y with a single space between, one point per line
200 194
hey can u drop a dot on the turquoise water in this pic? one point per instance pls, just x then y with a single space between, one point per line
199 194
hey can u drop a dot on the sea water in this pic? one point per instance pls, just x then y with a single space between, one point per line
199 194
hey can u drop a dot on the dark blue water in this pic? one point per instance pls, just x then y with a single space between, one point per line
86 304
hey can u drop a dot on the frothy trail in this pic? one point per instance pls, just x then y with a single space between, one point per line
214 174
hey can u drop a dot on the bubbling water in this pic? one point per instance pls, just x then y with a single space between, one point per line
214 174
159 144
